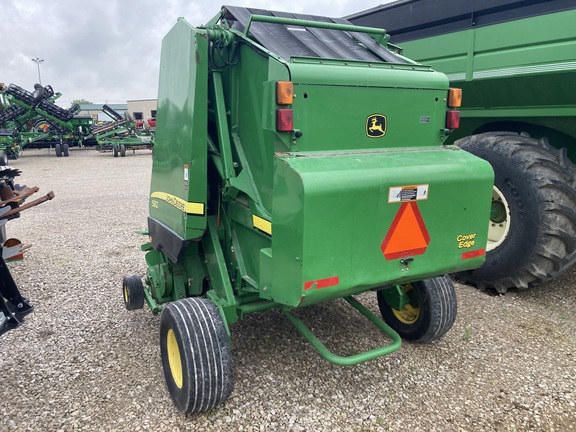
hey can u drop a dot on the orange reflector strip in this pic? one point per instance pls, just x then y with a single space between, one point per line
322 283
407 235
284 93
455 98
473 254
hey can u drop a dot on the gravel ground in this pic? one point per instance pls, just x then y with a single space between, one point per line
81 361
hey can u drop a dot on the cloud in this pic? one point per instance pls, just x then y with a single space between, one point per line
110 51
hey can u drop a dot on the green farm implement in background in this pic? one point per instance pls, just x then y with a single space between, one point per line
121 134
516 64
27 118
298 159
10 144
51 122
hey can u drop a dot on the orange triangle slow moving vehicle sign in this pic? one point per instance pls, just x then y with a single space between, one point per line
407 235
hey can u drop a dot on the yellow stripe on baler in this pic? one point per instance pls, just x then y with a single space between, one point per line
193 208
262 224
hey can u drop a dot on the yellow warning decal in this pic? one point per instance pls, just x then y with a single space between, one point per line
182 205
262 224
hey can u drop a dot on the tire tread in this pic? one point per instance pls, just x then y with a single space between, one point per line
207 361
552 175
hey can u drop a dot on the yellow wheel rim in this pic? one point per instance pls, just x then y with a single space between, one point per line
125 294
409 314
174 359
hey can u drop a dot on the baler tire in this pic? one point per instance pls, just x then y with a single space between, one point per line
196 355
115 150
430 314
58 150
65 150
537 183
122 150
133 292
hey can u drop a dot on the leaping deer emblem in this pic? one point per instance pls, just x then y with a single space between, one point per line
377 126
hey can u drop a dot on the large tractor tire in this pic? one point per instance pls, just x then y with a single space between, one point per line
196 355
532 231
430 313
3 158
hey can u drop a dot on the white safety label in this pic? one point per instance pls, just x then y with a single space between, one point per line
408 193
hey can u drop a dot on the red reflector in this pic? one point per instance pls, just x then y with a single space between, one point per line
452 119
473 254
322 283
284 120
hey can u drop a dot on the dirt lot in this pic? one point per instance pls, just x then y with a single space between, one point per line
81 361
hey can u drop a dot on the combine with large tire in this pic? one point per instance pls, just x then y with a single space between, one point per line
299 160
516 64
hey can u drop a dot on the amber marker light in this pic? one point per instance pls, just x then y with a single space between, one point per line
284 93
454 97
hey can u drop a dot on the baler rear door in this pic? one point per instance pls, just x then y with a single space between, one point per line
347 222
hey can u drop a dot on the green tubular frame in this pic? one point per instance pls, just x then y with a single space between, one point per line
154 307
317 24
356 358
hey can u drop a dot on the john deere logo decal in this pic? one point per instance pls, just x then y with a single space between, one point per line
376 126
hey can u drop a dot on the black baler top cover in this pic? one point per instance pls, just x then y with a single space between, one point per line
290 41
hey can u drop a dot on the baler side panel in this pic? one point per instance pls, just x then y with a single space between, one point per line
179 172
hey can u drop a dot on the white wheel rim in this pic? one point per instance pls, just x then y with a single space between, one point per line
498 229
